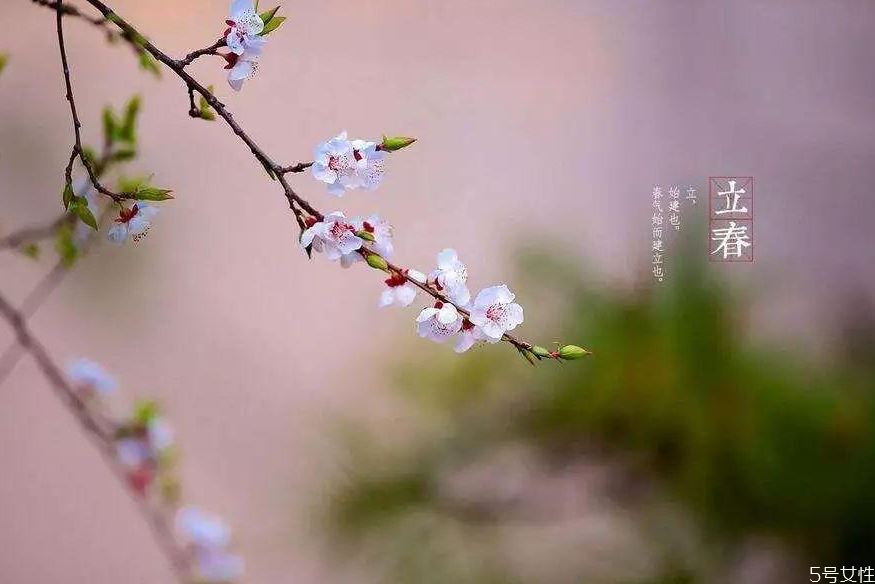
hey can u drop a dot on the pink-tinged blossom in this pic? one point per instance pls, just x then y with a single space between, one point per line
381 232
334 163
334 236
88 376
438 322
370 164
495 312
241 67
451 277
132 223
399 290
468 336
244 28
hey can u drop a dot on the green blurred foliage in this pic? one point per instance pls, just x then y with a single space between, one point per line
750 439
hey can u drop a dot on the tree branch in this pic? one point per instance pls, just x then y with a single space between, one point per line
101 434
296 203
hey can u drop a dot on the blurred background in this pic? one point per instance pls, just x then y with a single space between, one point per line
723 429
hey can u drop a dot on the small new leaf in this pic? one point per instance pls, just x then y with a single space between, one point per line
146 193
271 21
110 125
68 195
206 112
366 235
148 63
90 155
267 15
128 129
65 247
79 206
124 155
4 59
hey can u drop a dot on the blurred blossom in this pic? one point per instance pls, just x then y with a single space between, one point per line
85 374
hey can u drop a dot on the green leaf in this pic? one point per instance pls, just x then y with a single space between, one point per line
65 246
148 63
128 184
68 195
128 130
31 250
206 112
4 59
110 125
274 24
90 155
124 155
146 193
79 207
267 15
145 411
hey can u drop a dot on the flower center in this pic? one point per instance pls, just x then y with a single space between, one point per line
125 215
496 313
338 229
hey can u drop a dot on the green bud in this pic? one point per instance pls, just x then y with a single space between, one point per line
393 143
572 352
540 351
4 59
145 193
377 262
366 235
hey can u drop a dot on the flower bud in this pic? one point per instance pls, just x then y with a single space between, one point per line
366 235
376 262
393 143
572 352
541 351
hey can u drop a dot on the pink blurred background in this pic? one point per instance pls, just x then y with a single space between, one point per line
536 121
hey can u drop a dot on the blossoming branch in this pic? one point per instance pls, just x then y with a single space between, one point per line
343 165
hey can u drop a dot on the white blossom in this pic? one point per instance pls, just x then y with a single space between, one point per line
159 434
217 566
381 231
438 322
201 529
334 163
133 452
495 312
88 375
370 164
241 67
134 223
468 336
451 277
399 289
334 236
244 28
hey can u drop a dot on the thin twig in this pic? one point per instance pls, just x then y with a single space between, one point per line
27 235
100 433
210 50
